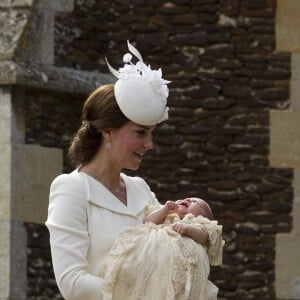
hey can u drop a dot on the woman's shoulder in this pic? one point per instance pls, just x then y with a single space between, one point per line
135 180
72 180
140 187
70 187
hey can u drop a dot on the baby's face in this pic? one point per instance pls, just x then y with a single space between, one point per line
190 206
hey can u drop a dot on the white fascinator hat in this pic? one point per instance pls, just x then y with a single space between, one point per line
140 92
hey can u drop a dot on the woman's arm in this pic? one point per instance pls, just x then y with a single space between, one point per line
69 240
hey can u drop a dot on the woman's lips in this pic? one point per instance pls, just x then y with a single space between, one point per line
139 155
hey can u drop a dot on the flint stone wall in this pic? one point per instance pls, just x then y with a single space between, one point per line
226 76
51 120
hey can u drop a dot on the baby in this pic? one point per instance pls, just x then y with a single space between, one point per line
168 257
194 206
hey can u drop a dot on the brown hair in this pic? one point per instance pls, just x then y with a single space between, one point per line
100 111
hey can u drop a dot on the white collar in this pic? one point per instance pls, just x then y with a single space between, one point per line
99 195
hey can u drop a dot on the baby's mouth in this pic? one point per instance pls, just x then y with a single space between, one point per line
185 204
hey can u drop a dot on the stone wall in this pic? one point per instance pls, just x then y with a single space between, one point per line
284 130
51 121
226 76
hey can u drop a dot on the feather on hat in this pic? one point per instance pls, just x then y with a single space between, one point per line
140 92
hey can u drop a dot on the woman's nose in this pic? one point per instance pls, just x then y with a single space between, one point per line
149 144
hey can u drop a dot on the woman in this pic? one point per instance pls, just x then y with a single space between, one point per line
90 206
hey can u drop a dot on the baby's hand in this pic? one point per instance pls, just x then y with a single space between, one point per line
170 205
180 228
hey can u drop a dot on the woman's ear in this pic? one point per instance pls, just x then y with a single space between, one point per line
107 138
106 134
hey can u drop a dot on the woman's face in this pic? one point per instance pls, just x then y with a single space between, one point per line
130 143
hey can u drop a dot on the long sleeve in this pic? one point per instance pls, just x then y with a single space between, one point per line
69 240
216 243
214 231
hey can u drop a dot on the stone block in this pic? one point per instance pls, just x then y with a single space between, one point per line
63 5
31 47
21 3
5 178
51 78
296 204
285 139
5 114
4 258
13 3
35 168
295 82
13 261
287 26
18 261
29 21
287 267
11 31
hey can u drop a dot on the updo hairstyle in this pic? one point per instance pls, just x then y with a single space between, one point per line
100 112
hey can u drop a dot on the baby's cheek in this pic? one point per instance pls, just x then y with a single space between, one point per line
181 212
195 210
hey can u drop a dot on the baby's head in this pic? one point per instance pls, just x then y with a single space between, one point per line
195 206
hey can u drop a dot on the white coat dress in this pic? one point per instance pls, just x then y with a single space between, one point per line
84 219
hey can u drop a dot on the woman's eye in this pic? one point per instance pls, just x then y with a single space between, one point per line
141 133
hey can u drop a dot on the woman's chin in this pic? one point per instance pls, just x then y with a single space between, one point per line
133 167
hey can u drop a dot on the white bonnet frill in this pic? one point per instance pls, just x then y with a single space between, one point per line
140 92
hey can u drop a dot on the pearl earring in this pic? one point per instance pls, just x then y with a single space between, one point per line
108 145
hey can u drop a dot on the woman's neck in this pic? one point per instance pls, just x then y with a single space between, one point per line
103 172
108 176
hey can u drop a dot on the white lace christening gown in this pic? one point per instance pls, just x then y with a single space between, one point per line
153 262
